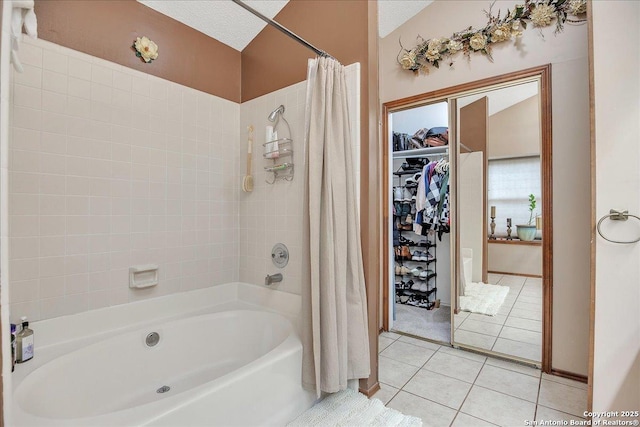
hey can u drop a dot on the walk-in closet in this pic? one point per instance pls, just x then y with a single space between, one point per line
420 282
461 269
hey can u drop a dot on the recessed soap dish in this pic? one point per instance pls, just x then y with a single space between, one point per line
143 276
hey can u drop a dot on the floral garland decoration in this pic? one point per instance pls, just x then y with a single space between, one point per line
540 13
145 49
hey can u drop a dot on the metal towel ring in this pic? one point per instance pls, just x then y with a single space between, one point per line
616 215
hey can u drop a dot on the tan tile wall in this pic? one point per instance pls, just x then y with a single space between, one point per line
273 213
109 168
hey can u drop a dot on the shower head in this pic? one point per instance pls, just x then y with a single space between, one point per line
274 114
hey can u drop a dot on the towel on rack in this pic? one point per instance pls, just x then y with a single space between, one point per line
22 16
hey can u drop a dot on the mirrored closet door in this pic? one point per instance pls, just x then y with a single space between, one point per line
500 217
469 224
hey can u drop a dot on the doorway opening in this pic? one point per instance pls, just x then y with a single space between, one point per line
420 280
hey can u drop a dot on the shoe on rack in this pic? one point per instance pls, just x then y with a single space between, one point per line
414 180
398 194
405 253
424 304
417 271
428 256
398 269
404 270
406 195
405 227
416 256
405 241
423 256
425 274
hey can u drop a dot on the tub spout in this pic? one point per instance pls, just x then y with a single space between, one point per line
272 278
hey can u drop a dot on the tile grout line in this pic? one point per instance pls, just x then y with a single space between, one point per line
508 314
561 383
472 384
419 367
470 388
535 411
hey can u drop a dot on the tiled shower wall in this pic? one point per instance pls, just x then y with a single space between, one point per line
110 168
275 213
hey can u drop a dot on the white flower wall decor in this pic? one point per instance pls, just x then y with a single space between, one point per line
145 49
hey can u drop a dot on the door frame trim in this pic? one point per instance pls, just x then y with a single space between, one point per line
546 125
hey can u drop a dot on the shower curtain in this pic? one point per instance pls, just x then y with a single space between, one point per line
334 306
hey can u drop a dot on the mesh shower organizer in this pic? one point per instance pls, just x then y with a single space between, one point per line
279 150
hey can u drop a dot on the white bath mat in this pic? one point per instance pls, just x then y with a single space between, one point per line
483 298
350 408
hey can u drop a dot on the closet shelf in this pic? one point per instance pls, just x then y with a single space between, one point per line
416 292
407 172
421 152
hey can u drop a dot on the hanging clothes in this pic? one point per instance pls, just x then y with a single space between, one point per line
432 199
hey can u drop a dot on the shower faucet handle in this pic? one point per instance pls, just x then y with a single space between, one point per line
272 278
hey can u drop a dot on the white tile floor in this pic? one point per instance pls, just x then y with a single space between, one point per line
516 330
449 387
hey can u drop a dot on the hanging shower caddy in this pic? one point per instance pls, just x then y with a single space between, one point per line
279 150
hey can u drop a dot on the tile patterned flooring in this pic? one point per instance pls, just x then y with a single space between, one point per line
449 387
517 328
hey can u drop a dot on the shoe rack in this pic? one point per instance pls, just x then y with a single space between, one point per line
414 255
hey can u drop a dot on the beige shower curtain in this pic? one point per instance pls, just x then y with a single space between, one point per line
334 306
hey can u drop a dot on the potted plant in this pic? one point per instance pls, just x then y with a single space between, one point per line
527 232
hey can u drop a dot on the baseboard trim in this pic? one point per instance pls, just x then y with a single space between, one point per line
515 274
570 375
371 391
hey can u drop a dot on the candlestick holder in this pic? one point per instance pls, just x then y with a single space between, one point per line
509 229
492 236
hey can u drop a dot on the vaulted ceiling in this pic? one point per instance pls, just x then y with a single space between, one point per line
230 24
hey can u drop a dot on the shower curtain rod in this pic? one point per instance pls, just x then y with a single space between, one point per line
283 29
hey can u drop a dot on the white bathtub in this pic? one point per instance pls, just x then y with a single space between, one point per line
230 368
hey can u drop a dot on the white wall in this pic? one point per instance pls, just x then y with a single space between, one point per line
471 205
427 116
616 375
515 131
109 168
515 258
567 52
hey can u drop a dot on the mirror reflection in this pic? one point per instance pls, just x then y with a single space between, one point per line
500 205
